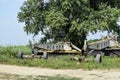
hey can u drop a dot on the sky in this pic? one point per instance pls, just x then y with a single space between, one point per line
11 31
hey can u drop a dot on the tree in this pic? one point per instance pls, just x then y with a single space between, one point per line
69 20
112 3
32 14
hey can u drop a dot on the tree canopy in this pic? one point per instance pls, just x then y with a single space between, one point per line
69 20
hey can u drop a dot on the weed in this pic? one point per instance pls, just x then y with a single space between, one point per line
8 56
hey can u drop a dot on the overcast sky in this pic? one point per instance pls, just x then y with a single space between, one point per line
11 32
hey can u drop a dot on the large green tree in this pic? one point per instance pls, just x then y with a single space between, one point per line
33 15
69 20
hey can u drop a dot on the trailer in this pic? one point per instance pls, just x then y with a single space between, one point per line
107 45
43 50
92 49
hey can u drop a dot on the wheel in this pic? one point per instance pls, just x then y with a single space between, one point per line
20 55
98 58
45 55
35 51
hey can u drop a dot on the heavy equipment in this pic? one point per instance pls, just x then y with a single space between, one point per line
107 45
104 45
42 50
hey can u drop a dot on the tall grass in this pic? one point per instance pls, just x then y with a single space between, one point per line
107 63
8 56
11 51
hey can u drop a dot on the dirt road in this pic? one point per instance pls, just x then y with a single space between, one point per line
79 73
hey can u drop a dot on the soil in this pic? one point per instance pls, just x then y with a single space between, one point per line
78 73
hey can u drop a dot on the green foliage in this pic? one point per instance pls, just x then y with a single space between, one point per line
63 62
33 15
53 62
69 20
8 56
12 51
112 3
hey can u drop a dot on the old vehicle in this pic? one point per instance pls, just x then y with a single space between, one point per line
104 45
42 50
108 45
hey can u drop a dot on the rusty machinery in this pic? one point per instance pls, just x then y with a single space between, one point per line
94 48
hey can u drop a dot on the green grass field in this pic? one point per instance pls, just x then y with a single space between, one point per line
8 56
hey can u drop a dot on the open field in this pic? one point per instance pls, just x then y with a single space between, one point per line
8 56
55 68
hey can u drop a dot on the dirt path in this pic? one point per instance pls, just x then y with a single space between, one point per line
79 73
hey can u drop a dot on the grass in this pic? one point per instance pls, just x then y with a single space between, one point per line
4 76
107 63
8 56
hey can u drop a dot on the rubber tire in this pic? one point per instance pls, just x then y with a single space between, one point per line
20 55
35 51
98 58
45 55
